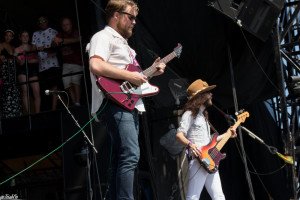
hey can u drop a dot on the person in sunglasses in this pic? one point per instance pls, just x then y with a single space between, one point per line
49 69
109 54
194 133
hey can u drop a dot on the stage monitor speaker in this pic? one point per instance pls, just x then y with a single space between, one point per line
226 7
259 16
256 16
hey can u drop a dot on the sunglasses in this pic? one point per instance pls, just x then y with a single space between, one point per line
130 16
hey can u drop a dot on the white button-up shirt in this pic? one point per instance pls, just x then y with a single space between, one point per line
197 129
114 49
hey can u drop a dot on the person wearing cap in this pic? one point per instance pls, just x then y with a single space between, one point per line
194 132
49 70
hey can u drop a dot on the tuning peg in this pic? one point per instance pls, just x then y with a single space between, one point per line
239 112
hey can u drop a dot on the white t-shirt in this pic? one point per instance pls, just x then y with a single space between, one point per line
44 38
114 49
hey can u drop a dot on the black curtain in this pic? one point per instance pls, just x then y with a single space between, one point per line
207 38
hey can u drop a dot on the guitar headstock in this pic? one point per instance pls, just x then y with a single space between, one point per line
178 50
242 116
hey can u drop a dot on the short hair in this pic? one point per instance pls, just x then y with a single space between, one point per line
64 18
23 31
118 6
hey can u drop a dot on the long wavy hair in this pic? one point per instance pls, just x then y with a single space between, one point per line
194 103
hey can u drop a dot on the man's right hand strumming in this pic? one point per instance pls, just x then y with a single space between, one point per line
137 78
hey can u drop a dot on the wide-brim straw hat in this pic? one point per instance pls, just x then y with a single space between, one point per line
198 86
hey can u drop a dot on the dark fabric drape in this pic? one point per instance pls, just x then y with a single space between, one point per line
207 37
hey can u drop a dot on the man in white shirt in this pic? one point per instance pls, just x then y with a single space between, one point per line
109 54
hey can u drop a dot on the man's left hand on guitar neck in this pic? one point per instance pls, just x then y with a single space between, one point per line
160 66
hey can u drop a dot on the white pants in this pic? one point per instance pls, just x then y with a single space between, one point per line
198 177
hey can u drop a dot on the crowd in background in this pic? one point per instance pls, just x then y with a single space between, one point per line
32 63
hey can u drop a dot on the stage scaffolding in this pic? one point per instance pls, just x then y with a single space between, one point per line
286 105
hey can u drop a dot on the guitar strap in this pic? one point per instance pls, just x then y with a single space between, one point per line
213 128
134 61
188 153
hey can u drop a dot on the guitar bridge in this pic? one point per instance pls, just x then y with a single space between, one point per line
127 87
205 162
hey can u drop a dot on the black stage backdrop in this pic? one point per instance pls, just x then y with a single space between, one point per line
207 37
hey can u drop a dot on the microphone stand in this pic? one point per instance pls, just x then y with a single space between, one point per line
244 159
273 150
89 145
28 91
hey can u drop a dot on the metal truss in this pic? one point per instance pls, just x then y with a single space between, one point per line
286 105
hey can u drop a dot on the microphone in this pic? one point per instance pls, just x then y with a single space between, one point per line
286 158
48 92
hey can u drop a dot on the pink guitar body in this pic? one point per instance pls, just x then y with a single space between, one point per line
126 94
123 92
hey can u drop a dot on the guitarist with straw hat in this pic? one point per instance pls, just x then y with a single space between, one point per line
194 133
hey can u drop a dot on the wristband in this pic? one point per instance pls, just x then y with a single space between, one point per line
189 145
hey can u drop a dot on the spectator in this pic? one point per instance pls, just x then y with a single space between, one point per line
10 95
194 133
49 70
27 70
71 56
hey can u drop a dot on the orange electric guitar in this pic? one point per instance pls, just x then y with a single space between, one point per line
210 154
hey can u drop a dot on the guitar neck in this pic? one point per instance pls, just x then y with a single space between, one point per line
152 69
226 136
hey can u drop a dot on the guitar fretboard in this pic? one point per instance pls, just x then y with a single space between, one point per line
227 135
152 69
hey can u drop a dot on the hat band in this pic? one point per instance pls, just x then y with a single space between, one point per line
198 91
